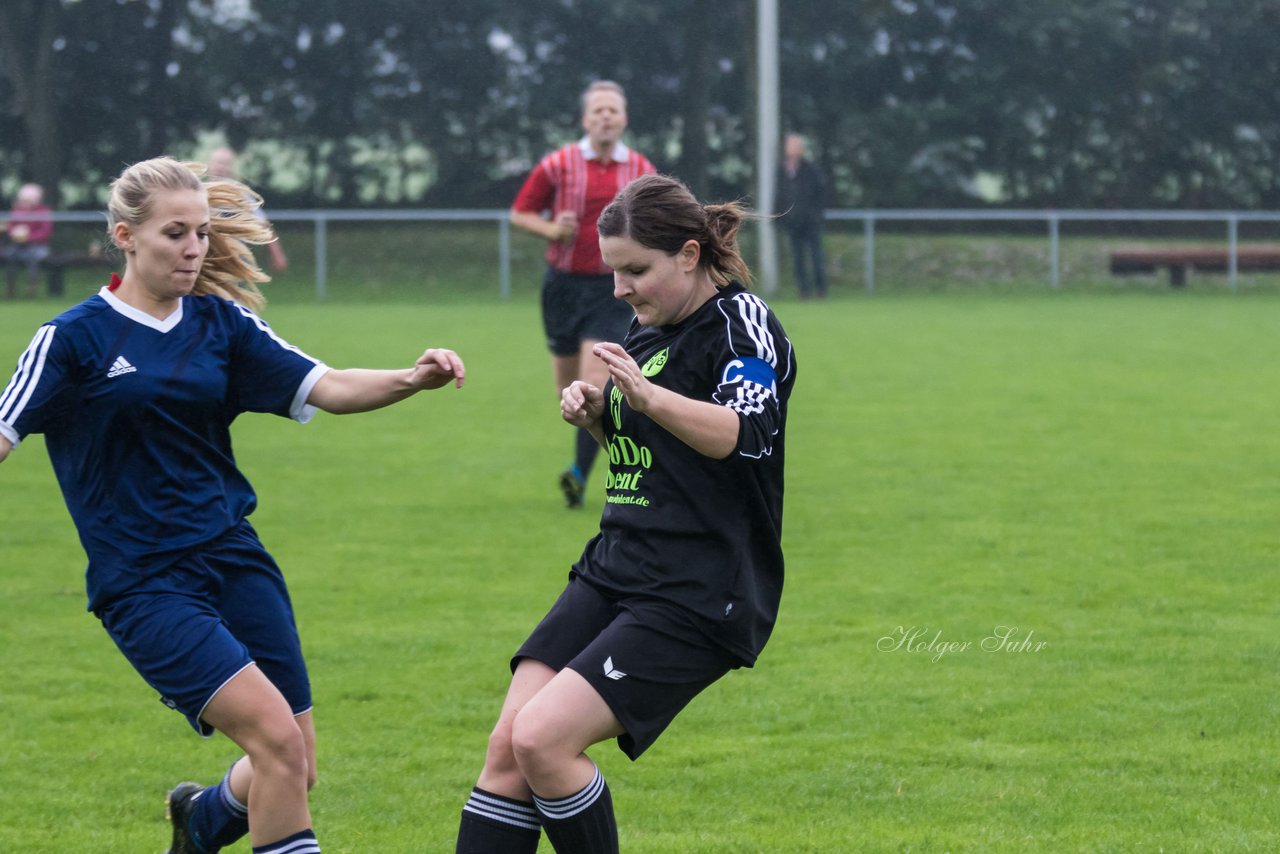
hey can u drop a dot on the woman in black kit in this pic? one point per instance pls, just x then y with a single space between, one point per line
682 583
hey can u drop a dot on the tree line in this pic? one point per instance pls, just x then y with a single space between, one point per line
907 103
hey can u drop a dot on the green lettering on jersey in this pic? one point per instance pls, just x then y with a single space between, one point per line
615 407
655 363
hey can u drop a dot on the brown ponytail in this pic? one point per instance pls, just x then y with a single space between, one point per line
723 222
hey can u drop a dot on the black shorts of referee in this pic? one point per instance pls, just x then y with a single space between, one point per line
577 308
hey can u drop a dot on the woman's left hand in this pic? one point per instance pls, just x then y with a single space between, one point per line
436 367
626 375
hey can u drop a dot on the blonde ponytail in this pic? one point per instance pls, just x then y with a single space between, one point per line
229 269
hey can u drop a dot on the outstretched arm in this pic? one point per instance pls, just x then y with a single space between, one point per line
708 428
361 390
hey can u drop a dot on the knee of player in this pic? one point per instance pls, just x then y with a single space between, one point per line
283 747
531 743
499 756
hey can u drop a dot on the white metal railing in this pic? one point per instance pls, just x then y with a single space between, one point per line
322 218
1051 218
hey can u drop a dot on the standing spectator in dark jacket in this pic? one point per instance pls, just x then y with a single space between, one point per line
800 194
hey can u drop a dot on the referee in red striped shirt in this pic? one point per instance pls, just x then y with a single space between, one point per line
560 201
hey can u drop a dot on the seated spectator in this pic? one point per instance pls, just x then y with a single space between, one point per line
30 228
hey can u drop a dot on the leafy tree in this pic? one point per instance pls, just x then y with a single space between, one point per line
1112 103
27 32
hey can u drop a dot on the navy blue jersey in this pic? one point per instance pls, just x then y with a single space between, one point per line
136 414
701 534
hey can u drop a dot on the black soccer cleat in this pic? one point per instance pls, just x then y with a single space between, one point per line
178 805
573 488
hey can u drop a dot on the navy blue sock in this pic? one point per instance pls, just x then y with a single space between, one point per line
218 819
493 824
302 842
585 450
582 823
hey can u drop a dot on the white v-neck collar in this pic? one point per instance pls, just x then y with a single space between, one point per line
142 317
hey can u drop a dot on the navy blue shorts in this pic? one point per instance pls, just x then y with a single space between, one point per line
581 308
191 628
642 656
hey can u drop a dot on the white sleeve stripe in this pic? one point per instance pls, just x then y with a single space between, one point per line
24 364
753 314
789 360
264 327
24 382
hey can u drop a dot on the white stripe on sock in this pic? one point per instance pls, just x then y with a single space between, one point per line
298 846
559 810
504 818
520 815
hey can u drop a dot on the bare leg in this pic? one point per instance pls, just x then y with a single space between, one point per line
250 711
554 727
564 370
501 774
242 770
585 366
591 368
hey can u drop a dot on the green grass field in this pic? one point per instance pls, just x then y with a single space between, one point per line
1098 473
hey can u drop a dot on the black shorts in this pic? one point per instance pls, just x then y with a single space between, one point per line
639 655
581 308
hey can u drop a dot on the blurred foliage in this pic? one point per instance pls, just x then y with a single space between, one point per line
447 103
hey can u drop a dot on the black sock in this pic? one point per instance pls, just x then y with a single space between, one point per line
582 823
492 824
585 450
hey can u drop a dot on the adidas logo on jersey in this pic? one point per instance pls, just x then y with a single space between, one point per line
610 672
120 366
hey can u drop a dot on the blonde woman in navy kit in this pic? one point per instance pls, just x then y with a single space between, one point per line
135 390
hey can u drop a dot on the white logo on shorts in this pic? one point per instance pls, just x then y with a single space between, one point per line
609 671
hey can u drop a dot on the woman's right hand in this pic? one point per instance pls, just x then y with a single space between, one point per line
582 404
564 227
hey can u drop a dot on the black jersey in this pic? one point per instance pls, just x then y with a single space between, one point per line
701 534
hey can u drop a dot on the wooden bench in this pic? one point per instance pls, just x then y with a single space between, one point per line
58 263
1206 259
